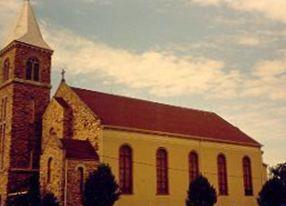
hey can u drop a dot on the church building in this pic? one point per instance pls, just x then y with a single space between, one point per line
155 150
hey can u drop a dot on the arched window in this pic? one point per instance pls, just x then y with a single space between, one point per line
33 69
222 175
193 166
81 179
162 172
49 170
125 169
247 176
6 69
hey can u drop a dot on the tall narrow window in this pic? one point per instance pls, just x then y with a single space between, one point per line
6 70
81 179
3 130
125 169
2 144
222 175
3 109
247 176
162 172
193 166
49 170
32 110
33 69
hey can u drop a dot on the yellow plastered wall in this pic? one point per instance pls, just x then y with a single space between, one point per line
144 148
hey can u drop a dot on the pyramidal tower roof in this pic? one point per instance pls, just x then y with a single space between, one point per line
27 29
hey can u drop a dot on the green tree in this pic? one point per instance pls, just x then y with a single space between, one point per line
201 193
50 200
30 195
101 189
279 172
273 192
33 196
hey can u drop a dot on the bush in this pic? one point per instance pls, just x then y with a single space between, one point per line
50 200
101 189
201 193
273 192
31 198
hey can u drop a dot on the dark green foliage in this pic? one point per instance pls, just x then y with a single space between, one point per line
101 188
33 195
50 200
201 193
29 198
273 192
279 172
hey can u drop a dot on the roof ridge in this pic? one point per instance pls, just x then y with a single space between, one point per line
145 100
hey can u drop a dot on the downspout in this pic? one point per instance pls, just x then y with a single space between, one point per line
65 179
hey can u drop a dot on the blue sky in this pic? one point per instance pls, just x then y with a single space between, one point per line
226 56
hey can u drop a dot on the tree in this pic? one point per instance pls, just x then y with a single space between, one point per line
50 200
101 189
201 193
33 196
273 192
279 172
30 195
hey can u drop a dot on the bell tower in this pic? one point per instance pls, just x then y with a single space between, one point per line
25 83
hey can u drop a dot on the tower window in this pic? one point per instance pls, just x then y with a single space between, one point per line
222 175
49 170
81 179
33 69
162 172
125 169
193 166
3 130
2 144
247 176
6 70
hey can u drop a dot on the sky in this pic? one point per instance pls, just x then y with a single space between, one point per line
224 56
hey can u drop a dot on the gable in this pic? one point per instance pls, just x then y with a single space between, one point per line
151 116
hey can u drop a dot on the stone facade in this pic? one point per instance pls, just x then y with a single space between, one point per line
83 125
27 101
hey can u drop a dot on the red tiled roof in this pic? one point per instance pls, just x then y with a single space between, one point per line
145 115
79 149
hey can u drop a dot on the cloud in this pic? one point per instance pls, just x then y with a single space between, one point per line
274 9
248 41
8 11
272 68
161 73
270 80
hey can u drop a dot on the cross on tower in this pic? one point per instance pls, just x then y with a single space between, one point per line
63 75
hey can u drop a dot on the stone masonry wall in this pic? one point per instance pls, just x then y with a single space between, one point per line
6 92
56 184
52 131
85 124
74 196
27 101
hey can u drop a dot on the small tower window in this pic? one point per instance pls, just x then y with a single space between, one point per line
33 69
6 69
81 179
49 170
